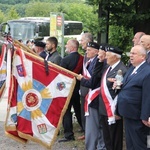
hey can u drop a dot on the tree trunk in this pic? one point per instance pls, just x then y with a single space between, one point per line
141 7
102 37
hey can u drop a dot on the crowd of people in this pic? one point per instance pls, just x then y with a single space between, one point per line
103 105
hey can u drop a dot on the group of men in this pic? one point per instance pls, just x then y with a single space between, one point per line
100 106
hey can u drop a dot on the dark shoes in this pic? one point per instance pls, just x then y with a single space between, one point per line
66 139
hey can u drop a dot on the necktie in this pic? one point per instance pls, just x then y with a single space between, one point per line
88 64
109 69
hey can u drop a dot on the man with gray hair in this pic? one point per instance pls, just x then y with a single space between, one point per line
134 100
85 39
112 125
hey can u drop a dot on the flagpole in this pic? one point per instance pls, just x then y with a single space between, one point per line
25 48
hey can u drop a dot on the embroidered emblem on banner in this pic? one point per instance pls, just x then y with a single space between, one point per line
60 86
42 128
20 70
32 100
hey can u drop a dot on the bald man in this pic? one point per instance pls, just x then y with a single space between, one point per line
145 42
136 38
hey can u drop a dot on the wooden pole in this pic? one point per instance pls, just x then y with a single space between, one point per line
24 47
50 63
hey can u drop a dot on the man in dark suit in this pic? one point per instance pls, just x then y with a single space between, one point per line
51 47
134 100
73 62
85 39
112 125
93 137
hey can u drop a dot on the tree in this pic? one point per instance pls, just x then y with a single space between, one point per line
1 16
12 14
133 14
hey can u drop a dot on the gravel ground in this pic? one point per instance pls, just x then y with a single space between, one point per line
9 144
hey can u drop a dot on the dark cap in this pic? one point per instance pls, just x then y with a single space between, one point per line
39 44
93 45
103 47
114 50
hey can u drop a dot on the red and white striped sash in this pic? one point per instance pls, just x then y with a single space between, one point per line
92 94
86 73
110 104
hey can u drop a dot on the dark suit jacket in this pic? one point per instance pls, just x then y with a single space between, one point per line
55 58
87 82
70 62
109 84
134 97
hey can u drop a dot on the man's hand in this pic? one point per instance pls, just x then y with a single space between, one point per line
117 117
147 123
79 77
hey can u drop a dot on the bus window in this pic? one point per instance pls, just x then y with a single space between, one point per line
30 27
72 28
43 29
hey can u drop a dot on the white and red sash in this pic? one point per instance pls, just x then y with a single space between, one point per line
92 94
2 56
110 104
86 73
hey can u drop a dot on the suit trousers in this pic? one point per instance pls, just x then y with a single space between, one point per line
93 131
83 118
136 134
113 134
67 119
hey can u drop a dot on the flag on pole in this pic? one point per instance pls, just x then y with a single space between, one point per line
38 101
2 69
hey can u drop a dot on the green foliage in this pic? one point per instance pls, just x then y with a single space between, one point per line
122 38
1 16
37 9
12 14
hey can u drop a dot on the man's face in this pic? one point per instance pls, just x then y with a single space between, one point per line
101 55
135 56
111 58
136 39
49 46
91 52
68 47
144 41
83 43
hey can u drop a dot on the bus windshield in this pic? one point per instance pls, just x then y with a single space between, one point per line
22 30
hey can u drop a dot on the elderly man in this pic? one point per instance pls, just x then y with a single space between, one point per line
73 61
112 125
93 137
134 100
136 38
85 39
145 42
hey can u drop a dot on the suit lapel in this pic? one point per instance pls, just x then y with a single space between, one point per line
113 72
130 77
